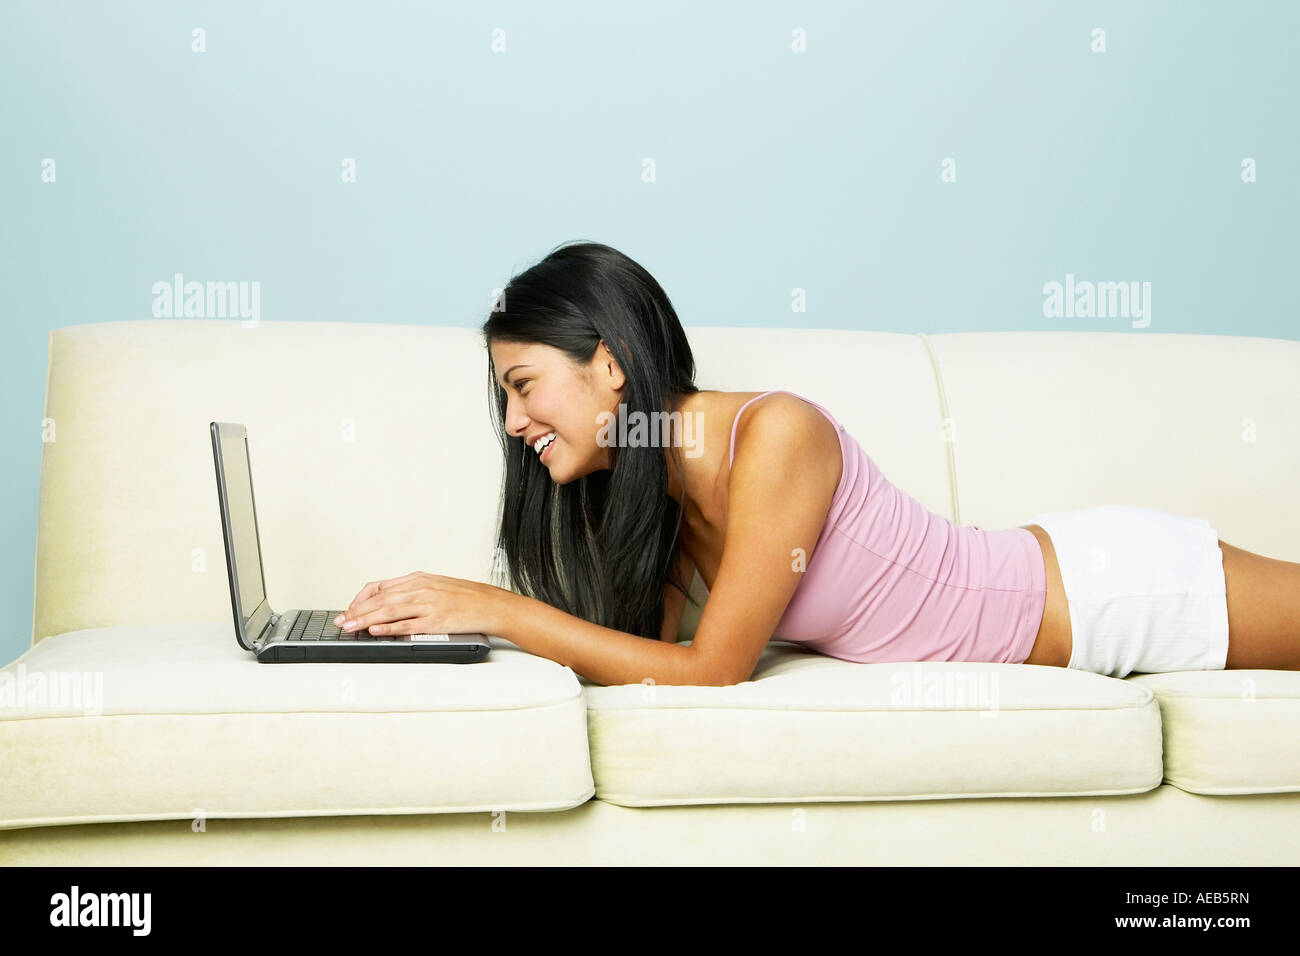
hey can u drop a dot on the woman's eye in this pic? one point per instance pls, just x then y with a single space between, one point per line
519 386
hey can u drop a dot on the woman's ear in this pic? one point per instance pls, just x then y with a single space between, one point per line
609 366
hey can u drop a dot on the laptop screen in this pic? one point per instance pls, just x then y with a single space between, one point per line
243 523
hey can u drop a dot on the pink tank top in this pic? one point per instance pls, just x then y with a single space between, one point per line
889 580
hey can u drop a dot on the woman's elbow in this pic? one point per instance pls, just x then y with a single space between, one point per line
710 672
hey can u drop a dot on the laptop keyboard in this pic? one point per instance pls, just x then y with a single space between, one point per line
320 626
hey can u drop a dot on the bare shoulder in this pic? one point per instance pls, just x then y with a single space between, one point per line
784 424
779 491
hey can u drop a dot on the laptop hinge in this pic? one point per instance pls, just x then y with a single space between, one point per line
259 639
277 627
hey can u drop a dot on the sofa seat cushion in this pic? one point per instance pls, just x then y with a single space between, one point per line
1229 731
175 722
807 727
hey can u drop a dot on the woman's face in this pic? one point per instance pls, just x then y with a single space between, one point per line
545 393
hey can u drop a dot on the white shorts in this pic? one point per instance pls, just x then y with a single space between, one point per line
1145 588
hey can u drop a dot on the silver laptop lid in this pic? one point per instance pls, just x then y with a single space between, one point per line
254 618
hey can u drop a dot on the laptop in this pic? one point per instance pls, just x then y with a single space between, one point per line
301 635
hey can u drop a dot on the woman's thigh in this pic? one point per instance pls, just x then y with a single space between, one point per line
1263 610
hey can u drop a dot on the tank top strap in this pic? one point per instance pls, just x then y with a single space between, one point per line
736 421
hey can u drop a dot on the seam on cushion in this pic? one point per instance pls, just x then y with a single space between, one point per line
1181 696
885 798
404 810
580 697
888 709
661 708
950 448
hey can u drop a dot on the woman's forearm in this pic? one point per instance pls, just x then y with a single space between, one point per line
599 654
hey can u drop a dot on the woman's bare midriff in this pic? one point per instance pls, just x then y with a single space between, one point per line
1054 642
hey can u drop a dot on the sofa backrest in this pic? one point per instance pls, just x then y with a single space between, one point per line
372 454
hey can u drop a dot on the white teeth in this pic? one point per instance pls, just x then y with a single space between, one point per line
543 442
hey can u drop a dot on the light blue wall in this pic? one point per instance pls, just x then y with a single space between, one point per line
774 169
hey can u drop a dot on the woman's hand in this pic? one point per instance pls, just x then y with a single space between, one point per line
423 603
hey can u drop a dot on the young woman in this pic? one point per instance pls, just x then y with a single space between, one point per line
792 527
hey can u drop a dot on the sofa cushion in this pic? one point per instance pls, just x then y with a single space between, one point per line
174 722
808 727
1229 731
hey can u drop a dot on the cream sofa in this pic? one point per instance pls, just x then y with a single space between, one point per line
372 457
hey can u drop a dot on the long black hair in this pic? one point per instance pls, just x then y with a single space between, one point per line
600 547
